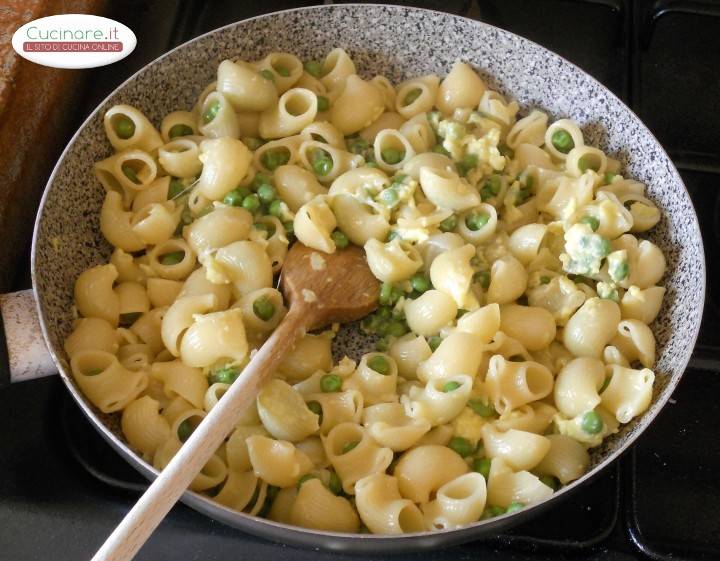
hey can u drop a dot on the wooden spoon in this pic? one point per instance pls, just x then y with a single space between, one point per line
320 289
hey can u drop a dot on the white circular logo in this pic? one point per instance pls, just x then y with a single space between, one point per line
74 41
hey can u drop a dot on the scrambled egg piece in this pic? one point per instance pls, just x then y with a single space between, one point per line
584 250
453 134
618 267
468 425
486 150
482 152
608 291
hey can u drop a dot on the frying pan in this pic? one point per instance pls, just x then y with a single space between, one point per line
398 42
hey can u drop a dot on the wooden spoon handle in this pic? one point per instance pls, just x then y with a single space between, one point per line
168 487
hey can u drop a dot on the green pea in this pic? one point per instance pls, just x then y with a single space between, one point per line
481 408
314 68
184 430
621 271
386 293
210 112
492 511
482 466
273 159
263 308
236 196
284 72
420 282
461 445
304 478
562 141
289 227
392 156
468 162
130 173
172 258
335 484
129 318
585 164
93 372
349 446
434 342
514 507
180 130
412 96
389 196
226 375
176 187
439 149
379 364
266 193
491 188
476 220
340 239
591 422
591 221
315 407
323 103
451 386
357 145
550 481
449 224
267 74
253 143
482 278
397 329
544 279
609 176
251 203
322 162
124 127
259 180
330 383
276 208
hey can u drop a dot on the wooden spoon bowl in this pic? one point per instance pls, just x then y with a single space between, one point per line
329 288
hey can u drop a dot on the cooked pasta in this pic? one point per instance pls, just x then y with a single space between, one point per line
514 330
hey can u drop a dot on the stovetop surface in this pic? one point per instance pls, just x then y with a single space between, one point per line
62 489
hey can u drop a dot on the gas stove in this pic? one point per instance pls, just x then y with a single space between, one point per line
62 489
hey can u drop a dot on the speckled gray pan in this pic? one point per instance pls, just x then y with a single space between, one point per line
397 42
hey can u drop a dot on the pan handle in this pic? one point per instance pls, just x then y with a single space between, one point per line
23 355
